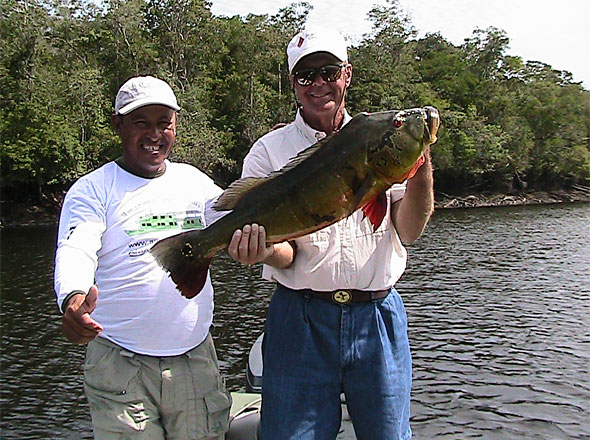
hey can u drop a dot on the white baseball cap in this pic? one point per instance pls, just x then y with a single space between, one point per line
144 90
316 39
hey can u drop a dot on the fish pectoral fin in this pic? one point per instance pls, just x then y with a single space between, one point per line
376 209
417 165
232 195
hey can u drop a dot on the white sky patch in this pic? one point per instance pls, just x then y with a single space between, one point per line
555 33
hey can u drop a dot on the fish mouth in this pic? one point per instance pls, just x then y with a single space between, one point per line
432 118
424 123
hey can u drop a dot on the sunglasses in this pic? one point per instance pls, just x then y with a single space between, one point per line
329 73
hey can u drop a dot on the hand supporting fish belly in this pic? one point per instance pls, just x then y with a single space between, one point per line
325 183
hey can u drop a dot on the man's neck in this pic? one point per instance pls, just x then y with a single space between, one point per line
328 122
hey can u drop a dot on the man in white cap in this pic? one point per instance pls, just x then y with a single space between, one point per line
151 370
335 323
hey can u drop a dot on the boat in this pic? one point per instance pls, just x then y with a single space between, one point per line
245 409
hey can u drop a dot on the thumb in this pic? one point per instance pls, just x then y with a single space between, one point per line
91 299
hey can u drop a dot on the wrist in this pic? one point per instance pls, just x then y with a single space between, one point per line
271 253
68 297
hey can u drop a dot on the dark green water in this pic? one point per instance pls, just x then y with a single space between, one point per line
498 301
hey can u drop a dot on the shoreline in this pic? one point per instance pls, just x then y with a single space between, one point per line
46 212
486 200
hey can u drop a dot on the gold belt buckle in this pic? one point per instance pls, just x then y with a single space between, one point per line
341 297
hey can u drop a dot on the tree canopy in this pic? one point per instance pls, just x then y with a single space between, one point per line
507 123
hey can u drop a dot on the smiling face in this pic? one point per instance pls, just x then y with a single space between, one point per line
322 101
147 135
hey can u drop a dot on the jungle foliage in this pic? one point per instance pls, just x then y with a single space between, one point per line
507 123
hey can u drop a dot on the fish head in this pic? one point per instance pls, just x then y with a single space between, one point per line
404 136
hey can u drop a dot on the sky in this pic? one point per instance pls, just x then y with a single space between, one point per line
555 33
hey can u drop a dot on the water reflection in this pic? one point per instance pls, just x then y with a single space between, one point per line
499 324
498 301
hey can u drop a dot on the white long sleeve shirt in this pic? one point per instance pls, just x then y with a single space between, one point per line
109 220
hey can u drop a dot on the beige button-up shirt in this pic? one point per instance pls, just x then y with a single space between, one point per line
345 255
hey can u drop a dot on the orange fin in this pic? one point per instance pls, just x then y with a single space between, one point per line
376 209
417 165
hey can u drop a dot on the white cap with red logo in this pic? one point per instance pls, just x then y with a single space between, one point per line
144 90
317 39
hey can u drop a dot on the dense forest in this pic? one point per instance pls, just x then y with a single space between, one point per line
507 124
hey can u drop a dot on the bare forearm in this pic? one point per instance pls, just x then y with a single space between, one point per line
411 214
283 256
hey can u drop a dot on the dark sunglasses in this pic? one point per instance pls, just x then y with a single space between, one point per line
329 73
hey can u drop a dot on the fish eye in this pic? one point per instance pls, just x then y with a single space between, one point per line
399 119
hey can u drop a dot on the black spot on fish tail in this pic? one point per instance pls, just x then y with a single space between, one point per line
187 251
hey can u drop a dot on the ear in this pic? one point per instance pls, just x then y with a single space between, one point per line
292 80
348 70
174 122
116 122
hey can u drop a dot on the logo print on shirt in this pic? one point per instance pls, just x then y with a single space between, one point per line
169 221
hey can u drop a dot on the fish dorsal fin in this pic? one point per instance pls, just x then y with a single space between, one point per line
232 195
234 192
301 156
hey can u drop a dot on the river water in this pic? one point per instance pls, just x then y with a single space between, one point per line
498 301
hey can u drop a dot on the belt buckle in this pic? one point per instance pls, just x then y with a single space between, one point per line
341 297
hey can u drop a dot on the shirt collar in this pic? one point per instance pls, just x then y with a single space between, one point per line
311 134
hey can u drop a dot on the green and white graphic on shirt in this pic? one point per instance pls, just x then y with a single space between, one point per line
169 221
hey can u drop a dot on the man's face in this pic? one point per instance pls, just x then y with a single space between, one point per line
147 135
321 96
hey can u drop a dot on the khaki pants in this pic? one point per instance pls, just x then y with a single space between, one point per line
133 396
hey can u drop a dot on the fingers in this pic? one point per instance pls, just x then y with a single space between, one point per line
248 245
244 248
78 333
253 242
261 238
232 249
77 324
91 299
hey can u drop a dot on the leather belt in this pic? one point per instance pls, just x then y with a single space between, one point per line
347 296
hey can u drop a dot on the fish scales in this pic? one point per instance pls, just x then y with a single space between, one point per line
346 171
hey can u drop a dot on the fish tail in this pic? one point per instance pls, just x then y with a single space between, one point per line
179 256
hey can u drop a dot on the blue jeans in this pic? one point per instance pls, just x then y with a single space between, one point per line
314 350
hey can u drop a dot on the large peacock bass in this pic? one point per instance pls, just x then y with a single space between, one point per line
349 170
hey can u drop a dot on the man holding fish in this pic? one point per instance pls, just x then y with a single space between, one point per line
335 323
